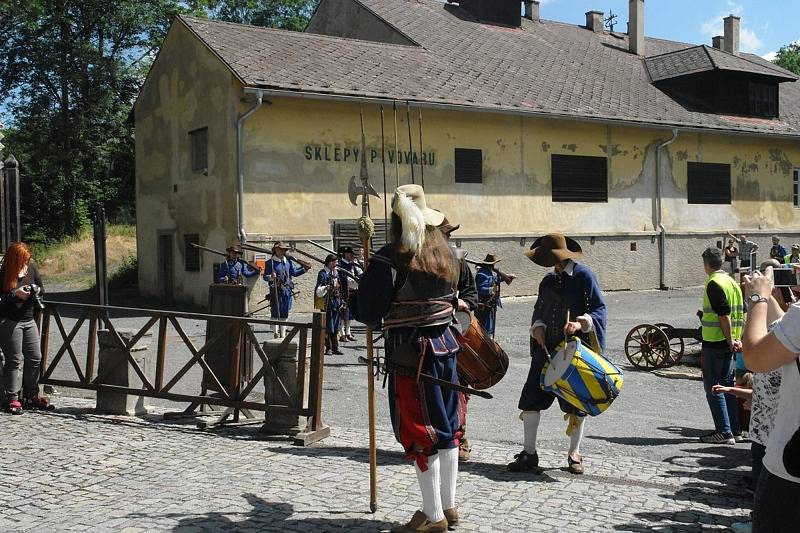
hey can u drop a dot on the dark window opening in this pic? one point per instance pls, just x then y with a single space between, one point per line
191 253
199 140
469 165
579 178
763 99
709 183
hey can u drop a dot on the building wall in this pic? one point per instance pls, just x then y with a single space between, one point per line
187 88
289 172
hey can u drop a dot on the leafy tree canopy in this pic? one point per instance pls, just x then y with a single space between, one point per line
70 73
789 57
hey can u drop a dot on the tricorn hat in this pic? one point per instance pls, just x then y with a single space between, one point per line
329 258
448 227
346 250
280 245
548 250
233 248
491 259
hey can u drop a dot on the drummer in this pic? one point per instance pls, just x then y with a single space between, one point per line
570 290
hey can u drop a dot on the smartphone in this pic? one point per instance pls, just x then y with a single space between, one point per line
785 277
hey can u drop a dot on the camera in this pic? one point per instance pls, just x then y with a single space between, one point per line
785 277
36 296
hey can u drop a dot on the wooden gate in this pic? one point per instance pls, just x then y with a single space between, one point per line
172 338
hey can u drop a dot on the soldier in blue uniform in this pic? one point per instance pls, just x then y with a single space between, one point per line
234 269
329 288
278 274
487 282
349 287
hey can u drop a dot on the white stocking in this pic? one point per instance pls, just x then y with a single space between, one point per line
530 425
448 463
577 436
430 485
347 328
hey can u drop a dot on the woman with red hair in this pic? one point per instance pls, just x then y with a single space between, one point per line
19 335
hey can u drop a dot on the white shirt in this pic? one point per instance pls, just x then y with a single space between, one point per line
787 419
322 290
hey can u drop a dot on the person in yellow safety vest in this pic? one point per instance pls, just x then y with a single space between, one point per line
722 323
794 256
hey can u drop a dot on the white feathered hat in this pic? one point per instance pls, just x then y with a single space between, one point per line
409 204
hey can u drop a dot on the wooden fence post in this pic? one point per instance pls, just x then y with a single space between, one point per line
315 427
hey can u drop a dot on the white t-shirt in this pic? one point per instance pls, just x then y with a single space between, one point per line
787 420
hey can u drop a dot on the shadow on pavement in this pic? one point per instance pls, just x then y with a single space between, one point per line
642 441
688 521
264 516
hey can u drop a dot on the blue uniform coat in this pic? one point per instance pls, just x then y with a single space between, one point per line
233 270
280 291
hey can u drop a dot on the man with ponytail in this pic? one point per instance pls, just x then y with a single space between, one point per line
19 335
411 284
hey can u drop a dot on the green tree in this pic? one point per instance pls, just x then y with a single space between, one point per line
70 74
286 14
789 57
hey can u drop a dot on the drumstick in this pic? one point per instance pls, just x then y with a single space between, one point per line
566 335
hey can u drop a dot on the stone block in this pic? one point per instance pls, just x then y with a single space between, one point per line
286 368
112 355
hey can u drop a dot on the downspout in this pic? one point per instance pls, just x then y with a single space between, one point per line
659 224
240 164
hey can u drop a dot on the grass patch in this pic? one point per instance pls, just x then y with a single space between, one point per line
70 263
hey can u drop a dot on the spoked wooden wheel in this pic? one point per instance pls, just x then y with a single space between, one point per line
676 347
647 347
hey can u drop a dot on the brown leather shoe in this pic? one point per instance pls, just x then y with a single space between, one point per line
575 466
419 523
464 450
451 515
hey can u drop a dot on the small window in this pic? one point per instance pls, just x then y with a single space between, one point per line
469 165
709 183
199 140
191 253
796 188
763 99
579 178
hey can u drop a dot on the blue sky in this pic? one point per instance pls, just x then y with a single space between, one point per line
766 24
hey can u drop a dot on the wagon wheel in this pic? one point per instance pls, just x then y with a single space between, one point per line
647 347
676 347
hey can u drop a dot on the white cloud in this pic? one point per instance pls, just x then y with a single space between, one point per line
770 56
748 39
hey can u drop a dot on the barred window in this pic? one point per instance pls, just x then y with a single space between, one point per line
709 183
469 165
199 142
579 178
796 188
191 253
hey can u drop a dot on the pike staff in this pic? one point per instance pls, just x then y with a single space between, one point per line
410 143
366 229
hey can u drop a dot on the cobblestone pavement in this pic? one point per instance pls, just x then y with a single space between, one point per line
71 470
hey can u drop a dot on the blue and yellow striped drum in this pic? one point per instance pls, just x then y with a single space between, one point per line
585 379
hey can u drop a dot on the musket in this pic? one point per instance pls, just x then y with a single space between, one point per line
330 251
442 383
300 262
506 278
211 250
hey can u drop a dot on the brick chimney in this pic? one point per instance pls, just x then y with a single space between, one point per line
532 10
730 41
594 21
636 27
716 42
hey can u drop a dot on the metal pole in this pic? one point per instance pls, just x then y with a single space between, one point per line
383 162
410 143
3 211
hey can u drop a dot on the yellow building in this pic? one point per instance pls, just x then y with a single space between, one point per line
645 150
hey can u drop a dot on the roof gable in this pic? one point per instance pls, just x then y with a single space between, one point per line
705 59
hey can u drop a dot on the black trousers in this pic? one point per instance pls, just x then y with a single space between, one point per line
332 341
776 509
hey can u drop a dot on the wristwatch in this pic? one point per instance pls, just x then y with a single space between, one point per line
756 298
